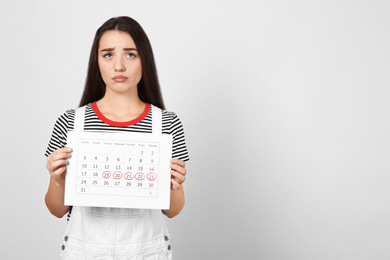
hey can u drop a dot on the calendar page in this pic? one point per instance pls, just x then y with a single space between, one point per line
124 170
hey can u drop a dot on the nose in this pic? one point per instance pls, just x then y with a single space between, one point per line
119 66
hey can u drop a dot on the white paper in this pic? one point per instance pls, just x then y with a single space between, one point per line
123 170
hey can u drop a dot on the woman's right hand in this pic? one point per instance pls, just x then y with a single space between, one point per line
56 164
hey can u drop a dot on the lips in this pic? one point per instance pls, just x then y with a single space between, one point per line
120 78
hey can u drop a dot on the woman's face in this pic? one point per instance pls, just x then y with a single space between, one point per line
119 62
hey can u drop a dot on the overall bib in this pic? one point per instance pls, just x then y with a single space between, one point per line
116 233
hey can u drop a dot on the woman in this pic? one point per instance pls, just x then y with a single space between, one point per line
121 87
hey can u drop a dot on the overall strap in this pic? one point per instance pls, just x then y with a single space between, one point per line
156 120
79 119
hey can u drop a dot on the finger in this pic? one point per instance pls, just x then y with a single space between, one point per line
53 166
178 177
62 150
60 154
67 149
179 162
176 185
57 173
178 168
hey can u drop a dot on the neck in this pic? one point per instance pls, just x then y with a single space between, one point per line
120 106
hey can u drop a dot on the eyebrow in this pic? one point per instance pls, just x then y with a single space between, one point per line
125 49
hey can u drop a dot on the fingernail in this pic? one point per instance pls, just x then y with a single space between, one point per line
68 149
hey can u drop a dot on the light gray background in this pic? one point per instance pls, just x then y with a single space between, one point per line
285 106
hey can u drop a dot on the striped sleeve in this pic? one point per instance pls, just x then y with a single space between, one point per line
179 148
58 137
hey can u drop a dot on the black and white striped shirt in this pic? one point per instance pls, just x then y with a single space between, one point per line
96 122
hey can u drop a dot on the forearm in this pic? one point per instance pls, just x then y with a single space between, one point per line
55 199
177 203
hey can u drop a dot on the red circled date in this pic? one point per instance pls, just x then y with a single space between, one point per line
106 174
151 176
117 175
140 176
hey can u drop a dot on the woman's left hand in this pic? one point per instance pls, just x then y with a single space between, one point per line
178 173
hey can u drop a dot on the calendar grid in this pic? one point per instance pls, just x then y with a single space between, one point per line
118 170
117 167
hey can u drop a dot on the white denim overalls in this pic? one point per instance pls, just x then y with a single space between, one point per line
116 233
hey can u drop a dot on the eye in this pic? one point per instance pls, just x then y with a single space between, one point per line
131 55
107 55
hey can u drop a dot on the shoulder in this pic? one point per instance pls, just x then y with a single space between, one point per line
168 115
63 124
66 119
172 125
170 119
70 113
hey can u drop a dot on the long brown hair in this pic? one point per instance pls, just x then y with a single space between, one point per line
148 88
